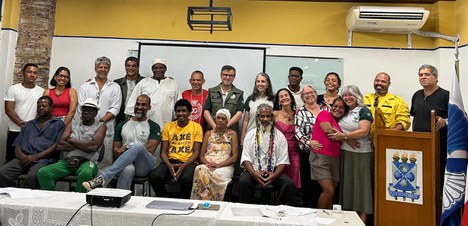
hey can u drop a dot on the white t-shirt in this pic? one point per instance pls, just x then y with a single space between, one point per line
297 97
25 103
135 132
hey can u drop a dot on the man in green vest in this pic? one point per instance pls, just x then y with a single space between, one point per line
225 95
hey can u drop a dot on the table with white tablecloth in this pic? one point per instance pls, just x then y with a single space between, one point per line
251 216
59 208
56 208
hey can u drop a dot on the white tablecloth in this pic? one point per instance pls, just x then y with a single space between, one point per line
228 218
58 208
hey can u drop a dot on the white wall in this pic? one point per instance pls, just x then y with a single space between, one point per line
7 62
79 54
362 64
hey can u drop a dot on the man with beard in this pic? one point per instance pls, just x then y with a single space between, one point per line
394 109
108 96
162 90
80 143
265 157
135 142
34 147
181 142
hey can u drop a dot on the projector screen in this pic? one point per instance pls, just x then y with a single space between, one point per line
181 60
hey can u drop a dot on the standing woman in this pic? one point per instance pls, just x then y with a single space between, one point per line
261 94
325 162
284 107
357 160
217 157
305 120
64 97
332 84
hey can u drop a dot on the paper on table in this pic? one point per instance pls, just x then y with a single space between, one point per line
324 220
291 211
23 193
246 212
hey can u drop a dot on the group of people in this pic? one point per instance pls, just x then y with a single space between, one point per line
303 143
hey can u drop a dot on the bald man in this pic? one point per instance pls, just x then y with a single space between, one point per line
394 109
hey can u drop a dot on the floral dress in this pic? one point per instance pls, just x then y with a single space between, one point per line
211 185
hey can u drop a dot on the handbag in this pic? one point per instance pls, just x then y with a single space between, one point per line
75 161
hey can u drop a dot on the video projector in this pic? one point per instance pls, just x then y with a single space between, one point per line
108 197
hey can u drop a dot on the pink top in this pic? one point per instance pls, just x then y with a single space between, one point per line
61 102
330 147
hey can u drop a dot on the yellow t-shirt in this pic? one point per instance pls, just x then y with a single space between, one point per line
181 139
394 110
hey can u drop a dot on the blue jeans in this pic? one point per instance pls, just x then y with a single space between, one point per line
136 161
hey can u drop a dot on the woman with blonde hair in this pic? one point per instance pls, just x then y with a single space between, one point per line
357 158
305 120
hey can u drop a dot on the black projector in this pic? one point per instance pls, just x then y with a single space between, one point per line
108 197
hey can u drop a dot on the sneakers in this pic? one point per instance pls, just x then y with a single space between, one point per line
97 182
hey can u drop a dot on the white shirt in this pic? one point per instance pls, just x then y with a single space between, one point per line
297 97
280 150
25 103
130 87
163 94
109 99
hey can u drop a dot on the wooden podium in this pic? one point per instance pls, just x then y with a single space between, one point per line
399 211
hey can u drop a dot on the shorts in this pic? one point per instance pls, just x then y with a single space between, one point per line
324 167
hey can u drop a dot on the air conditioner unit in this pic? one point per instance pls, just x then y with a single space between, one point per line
383 19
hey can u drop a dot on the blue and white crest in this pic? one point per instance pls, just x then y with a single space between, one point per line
403 179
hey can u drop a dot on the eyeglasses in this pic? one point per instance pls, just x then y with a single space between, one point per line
228 75
376 102
309 94
63 76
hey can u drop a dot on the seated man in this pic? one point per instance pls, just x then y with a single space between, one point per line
80 143
135 142
264 157
34 147
181 142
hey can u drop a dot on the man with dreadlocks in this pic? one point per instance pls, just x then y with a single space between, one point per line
264 157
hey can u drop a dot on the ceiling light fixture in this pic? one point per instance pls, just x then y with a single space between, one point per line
209 18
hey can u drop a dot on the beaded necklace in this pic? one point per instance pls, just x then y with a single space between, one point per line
271 145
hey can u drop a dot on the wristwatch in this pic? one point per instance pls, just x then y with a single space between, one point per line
345 137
